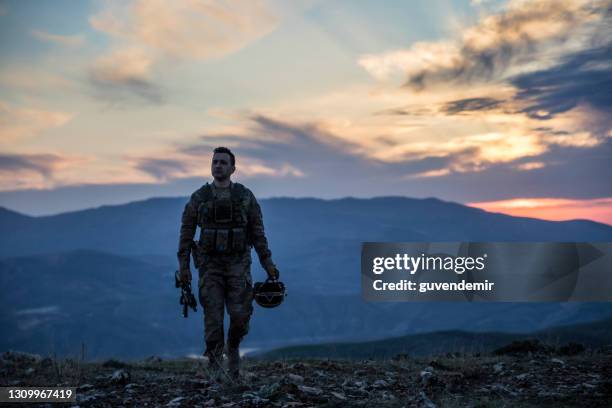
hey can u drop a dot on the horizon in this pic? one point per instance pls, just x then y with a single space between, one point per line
518 211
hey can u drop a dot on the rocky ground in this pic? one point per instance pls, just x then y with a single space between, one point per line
521 375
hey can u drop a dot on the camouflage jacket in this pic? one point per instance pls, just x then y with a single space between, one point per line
256 236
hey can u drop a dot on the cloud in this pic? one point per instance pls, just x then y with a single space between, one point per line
39 163
149 33
32 79
471 105
163 169
17 123
272 148
267 145
569 172
188 29
64 40
583 79
27 170
330 169
126 72
530 165
498 44
540 59
19 171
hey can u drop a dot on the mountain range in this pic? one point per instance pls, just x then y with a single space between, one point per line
103 277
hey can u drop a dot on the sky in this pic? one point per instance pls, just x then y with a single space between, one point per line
502 105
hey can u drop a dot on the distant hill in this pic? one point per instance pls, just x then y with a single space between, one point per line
316 243
594 334
128 308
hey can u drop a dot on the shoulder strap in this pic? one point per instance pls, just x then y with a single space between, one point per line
207 192
238 192
202 195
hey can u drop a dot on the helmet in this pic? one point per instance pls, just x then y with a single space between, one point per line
270 293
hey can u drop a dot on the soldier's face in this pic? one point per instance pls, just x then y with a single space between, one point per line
221 167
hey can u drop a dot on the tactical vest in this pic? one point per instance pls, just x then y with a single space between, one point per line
223 221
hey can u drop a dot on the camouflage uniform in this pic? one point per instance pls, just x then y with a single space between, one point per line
223 259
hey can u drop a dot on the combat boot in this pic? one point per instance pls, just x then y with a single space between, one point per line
215 365
233 361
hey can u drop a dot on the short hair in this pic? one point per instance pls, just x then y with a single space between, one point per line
222 149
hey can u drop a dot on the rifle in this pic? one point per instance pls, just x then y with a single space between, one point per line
187 298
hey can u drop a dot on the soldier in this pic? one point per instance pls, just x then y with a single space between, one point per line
230 224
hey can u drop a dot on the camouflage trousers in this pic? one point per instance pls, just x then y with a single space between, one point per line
225 282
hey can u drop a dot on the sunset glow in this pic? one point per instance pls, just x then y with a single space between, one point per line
554 209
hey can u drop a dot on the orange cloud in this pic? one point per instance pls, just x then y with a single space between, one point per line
554 209
123 65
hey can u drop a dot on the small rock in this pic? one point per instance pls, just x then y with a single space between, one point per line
386 395
175 402
427 375
338 395
499 367
120 377
380 384
269 389
86 387
295 379
321 374
310 390
557 361
29 371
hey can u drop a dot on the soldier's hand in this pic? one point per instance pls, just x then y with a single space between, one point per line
273 272
185 275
